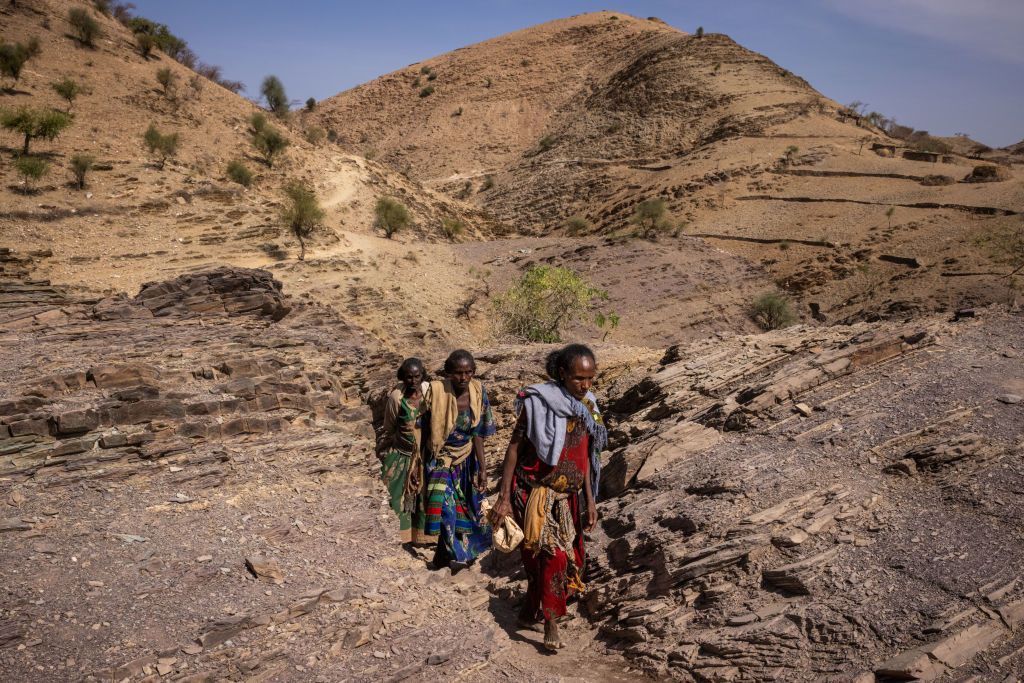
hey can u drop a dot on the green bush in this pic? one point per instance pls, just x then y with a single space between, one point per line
772 311
258 122
84 27
302 212
14 56
544 302
546 143
146 44
391 214
577 225
651 217
162 146
452 228
69 89
314 135
272 90
425 69
310 104
167 80
488 183
35 123
427 91
270 143
239 173
102 6
31 169
81 164
699 32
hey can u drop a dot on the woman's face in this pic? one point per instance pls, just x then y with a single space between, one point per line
461 374
412 377
580 377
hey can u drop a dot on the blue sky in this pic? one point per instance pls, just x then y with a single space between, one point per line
946 66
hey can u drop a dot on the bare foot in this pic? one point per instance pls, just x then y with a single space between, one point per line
552 639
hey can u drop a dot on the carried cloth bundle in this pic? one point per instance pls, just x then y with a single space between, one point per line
506 533
444 411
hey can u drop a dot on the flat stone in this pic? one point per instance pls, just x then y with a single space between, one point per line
1010 399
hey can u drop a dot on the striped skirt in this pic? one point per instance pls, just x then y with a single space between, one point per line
453 512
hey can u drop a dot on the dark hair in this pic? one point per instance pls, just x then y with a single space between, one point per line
411 364
458 356
562 359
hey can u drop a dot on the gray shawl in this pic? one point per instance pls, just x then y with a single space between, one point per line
548 407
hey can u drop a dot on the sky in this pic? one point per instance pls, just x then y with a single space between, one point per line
945 66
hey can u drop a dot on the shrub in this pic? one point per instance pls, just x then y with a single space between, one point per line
546 143
392 215
239 173
214 73
699 32
162 146
988 173
258 122
452 228
576 225
85 28
427 91
146 44
315 135
32 47
302 212
310 104
425 69
69 89
432 76
332 135
31 169
12 59
167 80
170 44
488 183
273 92
102 6
270 143
544 301
35 123
772 311
81 164
889 214
790 153
650 217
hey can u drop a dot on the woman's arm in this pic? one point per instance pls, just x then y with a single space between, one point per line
589 497
390 427
481 458
503 507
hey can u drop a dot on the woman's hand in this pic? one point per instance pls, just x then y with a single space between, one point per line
591 515
502 508
481 481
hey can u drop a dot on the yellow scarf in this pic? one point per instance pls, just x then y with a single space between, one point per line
444 411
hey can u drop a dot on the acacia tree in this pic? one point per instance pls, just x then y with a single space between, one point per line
69 89
35 123
391 214
272 90
650 217
545 301
302 212
269 142
163 146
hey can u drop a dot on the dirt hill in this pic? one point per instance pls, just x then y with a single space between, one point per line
744 154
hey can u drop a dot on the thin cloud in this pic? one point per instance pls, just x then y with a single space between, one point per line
990 27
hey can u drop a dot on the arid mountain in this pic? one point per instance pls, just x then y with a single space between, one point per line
589 116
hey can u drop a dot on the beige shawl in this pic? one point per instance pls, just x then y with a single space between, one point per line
444 411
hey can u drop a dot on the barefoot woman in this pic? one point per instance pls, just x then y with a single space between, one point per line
460 419
549 483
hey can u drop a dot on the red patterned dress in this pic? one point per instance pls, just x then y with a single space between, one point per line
553 574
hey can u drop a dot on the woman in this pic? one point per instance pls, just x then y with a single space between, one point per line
460 419
549 483
401 463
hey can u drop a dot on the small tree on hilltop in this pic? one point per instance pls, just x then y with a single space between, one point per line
69 89
302 212
270 143
310 104
545 301
31 169
772 311
167 80
81 164
699 32
273 92
162 146
650 217
84 27
35 123
392 215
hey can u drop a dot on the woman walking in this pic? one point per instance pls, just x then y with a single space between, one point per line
549 483
459 420
400 449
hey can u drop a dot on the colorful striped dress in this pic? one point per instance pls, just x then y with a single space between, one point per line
453 501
